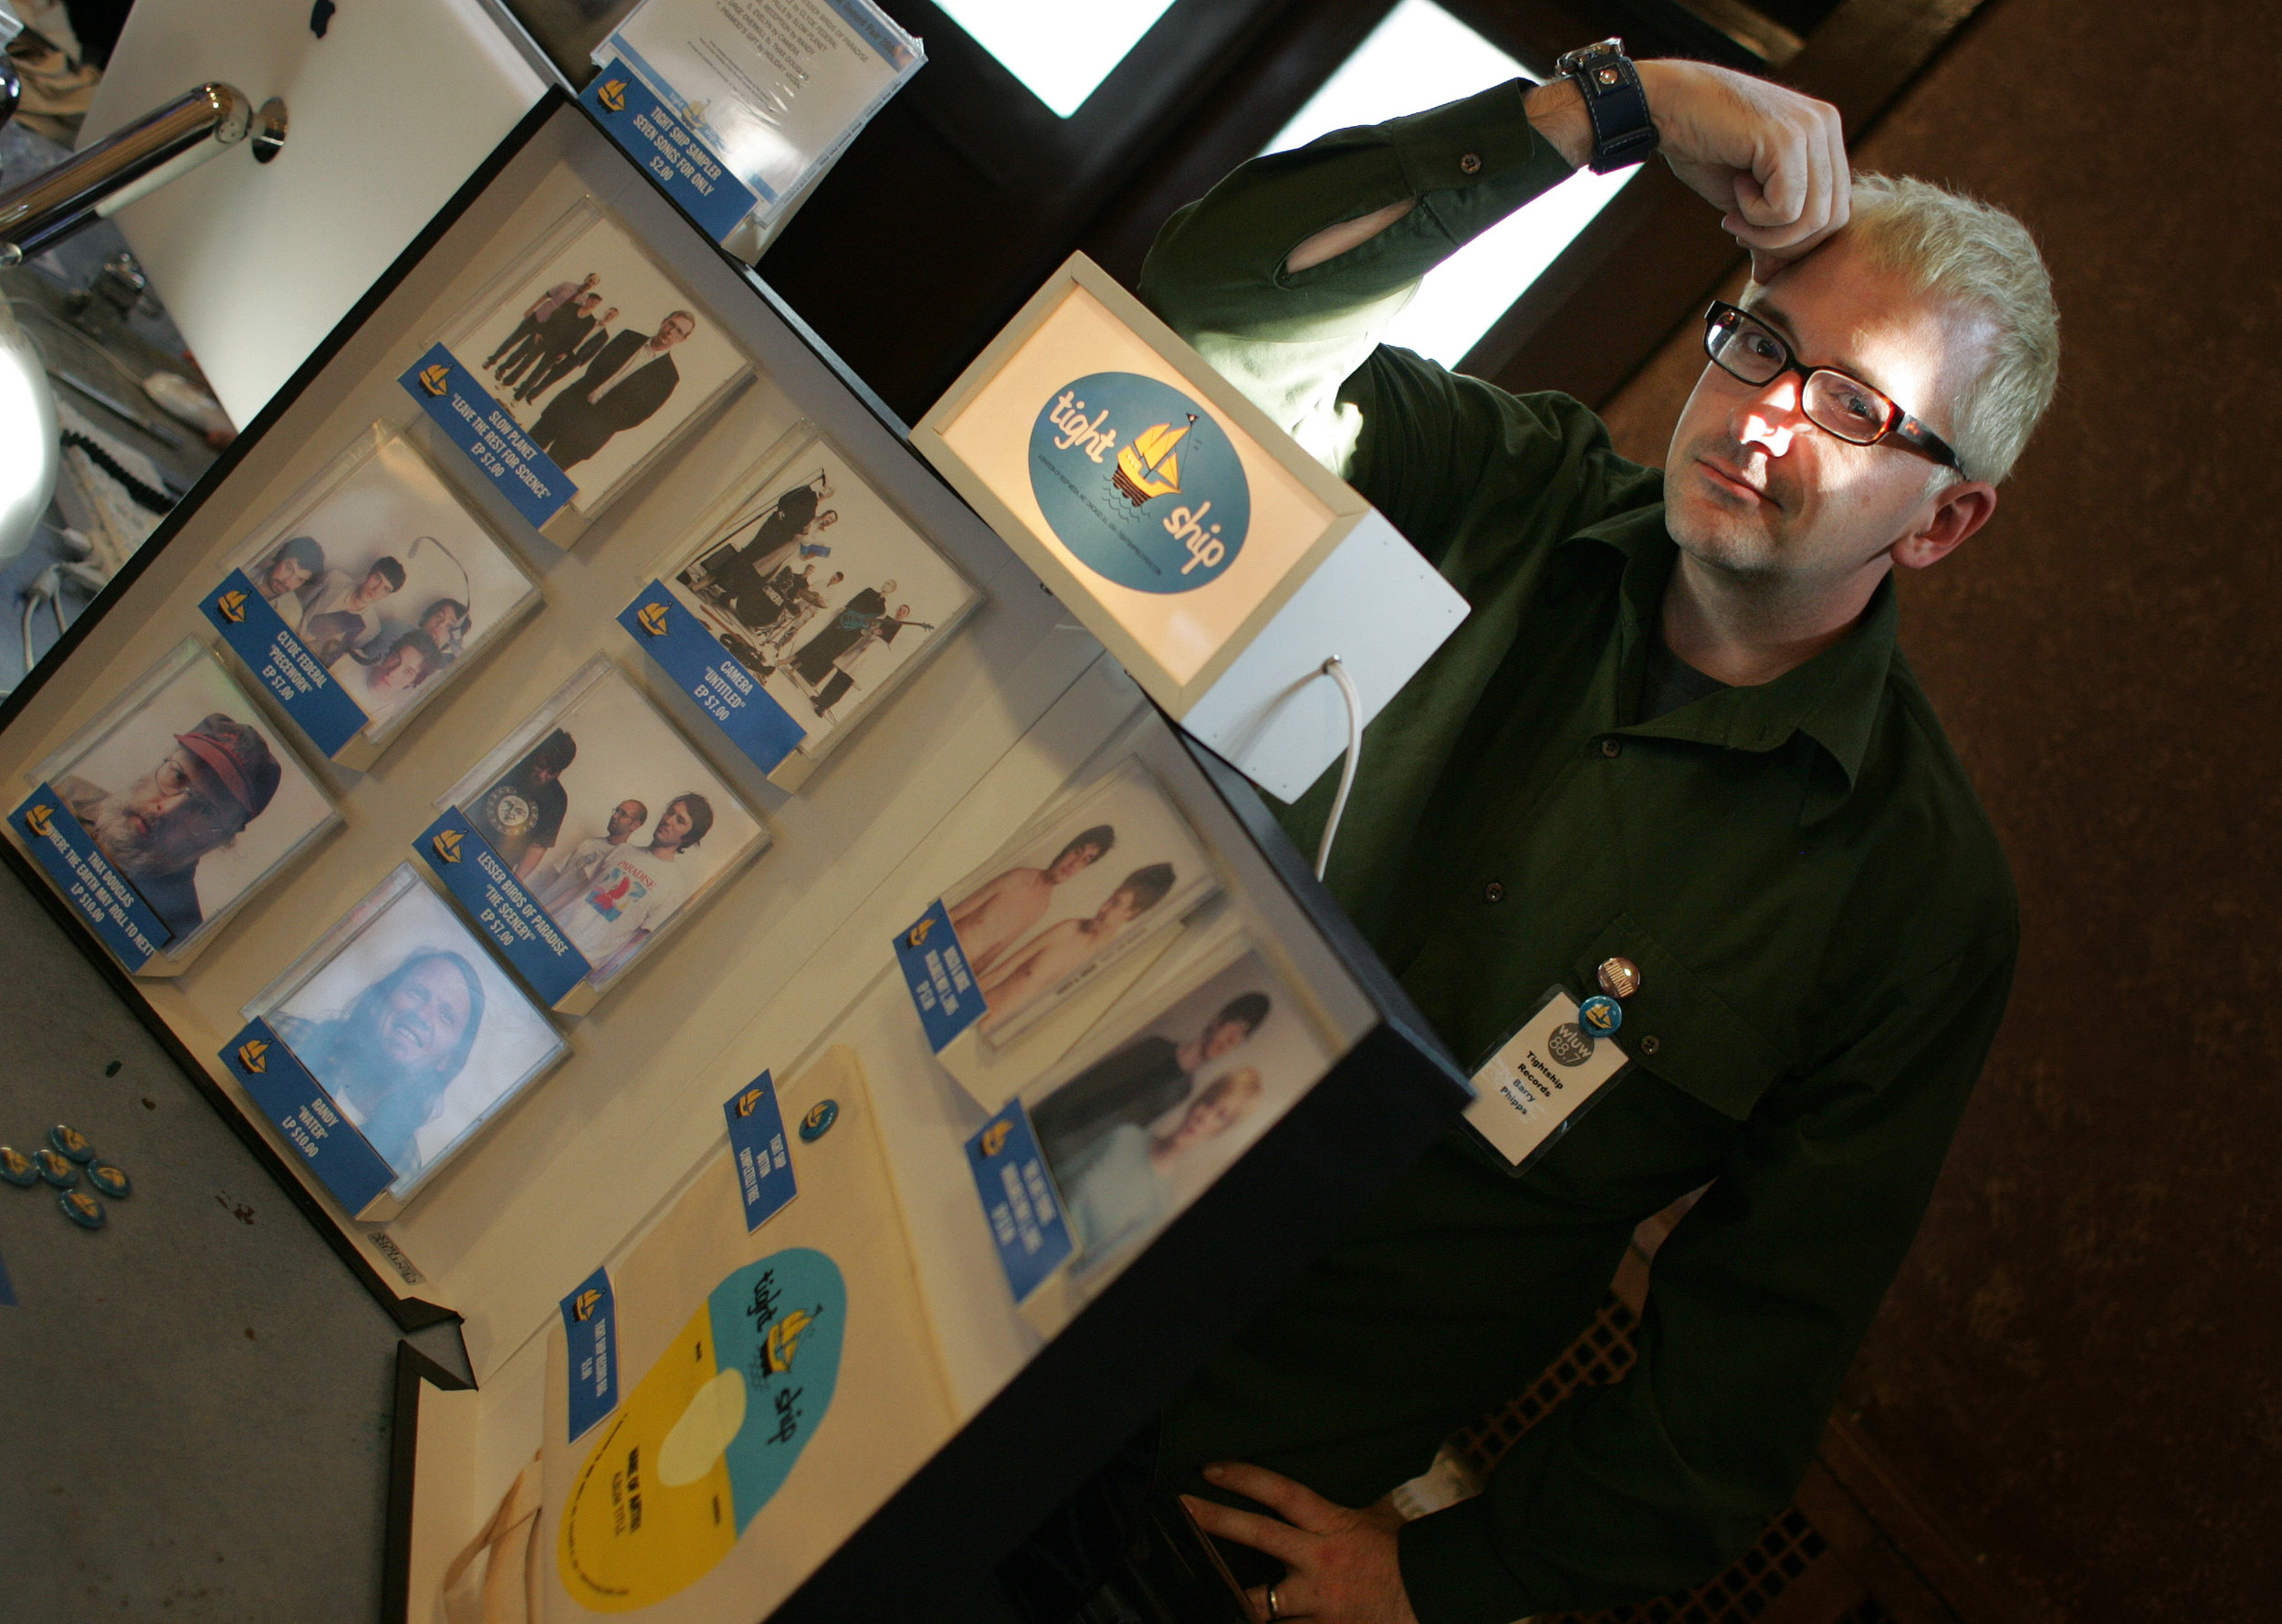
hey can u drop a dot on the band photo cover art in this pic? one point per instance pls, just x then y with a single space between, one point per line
819 588
611 821
1076 891
189 791
598 355
1140 1128
388 580
412 1028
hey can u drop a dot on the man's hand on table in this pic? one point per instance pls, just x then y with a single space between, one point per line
1772 161
1340 1563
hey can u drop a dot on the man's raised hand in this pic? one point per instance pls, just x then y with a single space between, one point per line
1772 161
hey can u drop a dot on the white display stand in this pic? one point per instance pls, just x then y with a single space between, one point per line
1311 572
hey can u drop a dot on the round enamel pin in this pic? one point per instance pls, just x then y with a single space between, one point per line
56 1169
1618 978
1600 1015
112 1181
81 1209
819 1120
71 1142
16 1167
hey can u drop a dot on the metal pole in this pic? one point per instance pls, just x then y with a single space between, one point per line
128 165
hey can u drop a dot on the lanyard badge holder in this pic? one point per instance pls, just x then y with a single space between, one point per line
1545 1076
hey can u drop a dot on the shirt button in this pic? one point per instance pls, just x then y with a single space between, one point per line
1649 1046
1471 164
1494 892
1612 747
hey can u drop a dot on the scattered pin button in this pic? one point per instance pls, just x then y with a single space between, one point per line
16 1167
1618 978
819 1120
81 1209
1601 1016
56 1169
72 1143
112 1181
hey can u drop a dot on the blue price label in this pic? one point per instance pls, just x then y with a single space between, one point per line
693 175
590 1325
764 1162
1025 1221
481 882
319 706
103 896
942 987
488 436
729 694
308 1116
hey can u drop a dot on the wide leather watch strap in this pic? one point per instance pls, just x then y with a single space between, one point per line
1623 132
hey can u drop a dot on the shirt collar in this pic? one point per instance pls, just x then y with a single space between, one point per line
1834 698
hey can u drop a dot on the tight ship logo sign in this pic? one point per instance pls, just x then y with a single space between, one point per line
232 604
1139 482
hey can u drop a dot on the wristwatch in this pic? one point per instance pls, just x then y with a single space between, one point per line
1623 132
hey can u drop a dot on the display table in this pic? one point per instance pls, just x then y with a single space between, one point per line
655 880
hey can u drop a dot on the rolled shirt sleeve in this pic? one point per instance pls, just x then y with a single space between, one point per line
1288 339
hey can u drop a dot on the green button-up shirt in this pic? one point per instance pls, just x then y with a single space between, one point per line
1820 912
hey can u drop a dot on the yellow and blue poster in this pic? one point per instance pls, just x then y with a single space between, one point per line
708 1436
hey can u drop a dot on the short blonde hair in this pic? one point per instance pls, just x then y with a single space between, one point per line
1974 255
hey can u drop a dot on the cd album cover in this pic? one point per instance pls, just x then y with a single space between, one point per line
596 358
587 834
169 809
817 591
1073 894
390 1044
378 583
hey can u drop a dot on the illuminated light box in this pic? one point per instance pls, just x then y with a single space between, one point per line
1216 559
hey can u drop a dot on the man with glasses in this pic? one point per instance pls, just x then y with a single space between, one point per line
1673 755
624 387
218 778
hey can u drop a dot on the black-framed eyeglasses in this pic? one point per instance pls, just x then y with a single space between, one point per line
1744 347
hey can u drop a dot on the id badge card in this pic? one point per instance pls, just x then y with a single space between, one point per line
1528 1093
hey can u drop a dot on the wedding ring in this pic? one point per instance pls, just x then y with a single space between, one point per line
1272 1614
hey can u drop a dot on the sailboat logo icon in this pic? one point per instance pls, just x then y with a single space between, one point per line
1149 466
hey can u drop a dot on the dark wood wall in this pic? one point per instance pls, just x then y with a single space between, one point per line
2081 1366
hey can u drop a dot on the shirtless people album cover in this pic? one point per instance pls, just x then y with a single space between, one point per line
1073 893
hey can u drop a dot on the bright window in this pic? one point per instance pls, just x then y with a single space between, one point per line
1059 51
1421 57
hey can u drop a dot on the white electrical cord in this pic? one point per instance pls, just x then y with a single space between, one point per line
1338 673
